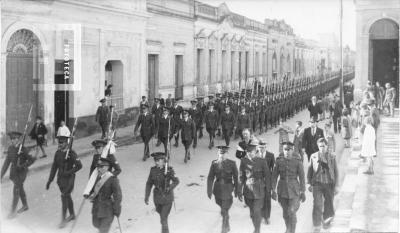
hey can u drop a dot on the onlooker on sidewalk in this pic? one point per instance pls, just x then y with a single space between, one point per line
38 133
336 108
368 148
323 177
102 117
310 137
390 96
379 93
63 130
298 139
370 89
330 137
346 128
314 108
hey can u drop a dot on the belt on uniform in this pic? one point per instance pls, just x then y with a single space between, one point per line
224 181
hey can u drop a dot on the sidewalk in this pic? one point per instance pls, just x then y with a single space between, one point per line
369 203
81 146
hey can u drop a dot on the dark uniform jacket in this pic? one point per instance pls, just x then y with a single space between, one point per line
66 167
227 120
188 130
38 130
196 115
211 119
103 114
19 164
270 161
156 111
223 179
253 174
147 125
177 113
310 141
291 173
164 185
114 164
162 125
243 121
107 203
314 110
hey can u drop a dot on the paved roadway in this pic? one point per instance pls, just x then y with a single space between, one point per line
192 212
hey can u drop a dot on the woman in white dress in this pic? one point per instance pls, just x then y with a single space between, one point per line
368 149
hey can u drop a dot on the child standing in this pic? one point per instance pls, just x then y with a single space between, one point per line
346 127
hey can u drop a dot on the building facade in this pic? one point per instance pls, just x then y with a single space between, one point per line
377 42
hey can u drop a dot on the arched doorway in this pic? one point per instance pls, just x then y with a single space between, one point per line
384 53
23 70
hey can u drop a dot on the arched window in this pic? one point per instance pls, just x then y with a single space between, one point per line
288 65
282 65
274 66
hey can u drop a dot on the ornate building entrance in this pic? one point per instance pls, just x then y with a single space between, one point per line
24 69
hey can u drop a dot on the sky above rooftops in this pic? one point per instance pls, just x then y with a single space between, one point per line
309 18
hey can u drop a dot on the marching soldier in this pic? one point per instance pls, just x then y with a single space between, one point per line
177 111
222 181
203 109
164 182
147 127
291 185
114 166
261 115
102 117
228 124
157 111
165 127
243 121
106 197
218 106
270 161
188 134
253 173
195 114
65 169
211 119
19 168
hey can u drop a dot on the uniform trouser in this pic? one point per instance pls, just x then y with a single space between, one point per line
146 140
66 185
255 206
199 130
163 210
104 129
266 210
103 224
211 133
323 195
336 124
254 122
289 208
18 193
225 205
239 132
176 138
261 121
227 135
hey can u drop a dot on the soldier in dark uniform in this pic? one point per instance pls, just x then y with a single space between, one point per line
106 197
168 101
102 117
195 114
188 133
65 169
165 126
253 173
291 185
218 106
243 121
203 109
19 168
143 102
164 182
254 114
261 114
147 129
157 111
270 161
222 181
114 167
176 112
228 124
211 119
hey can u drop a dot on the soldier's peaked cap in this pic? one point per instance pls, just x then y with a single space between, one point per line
289 143
14 134
200 98
99 142
62 138
145 106
165 109
252 146
193 101
223 149
158 155
210 96
103 100
104 162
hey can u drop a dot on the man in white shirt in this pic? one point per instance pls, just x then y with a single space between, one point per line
63 130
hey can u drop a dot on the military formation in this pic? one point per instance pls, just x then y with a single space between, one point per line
259 179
